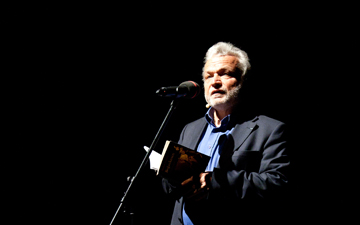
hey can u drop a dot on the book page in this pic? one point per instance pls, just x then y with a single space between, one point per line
155 159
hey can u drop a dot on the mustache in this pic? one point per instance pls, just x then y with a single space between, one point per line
230 95
223 90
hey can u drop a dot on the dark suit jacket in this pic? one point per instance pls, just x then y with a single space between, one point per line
249 180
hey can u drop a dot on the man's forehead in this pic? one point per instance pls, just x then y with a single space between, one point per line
220 62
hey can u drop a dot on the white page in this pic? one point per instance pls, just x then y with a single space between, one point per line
155 159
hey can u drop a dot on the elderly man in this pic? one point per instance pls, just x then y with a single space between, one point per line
248 169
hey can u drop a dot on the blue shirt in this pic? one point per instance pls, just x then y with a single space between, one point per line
211 144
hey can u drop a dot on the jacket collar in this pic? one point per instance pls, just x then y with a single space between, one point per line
244 122
240 133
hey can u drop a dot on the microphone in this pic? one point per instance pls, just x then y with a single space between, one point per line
187 89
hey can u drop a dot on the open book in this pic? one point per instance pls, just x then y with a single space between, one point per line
177 162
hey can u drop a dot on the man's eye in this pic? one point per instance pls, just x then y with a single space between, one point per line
227 75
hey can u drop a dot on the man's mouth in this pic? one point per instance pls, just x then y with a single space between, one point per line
217 92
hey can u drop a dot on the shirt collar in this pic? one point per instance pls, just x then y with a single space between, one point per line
209 116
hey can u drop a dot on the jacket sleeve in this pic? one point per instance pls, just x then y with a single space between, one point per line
232 180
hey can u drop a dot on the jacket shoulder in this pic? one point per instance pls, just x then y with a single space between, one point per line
268 121
268 125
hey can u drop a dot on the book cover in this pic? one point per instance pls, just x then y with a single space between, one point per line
179 163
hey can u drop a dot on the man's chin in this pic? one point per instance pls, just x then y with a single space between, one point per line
221 103
217 103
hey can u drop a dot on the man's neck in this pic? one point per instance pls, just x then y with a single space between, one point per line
218 115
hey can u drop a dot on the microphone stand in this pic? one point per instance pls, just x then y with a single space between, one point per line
173 106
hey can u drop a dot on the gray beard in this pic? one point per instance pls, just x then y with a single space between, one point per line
232 98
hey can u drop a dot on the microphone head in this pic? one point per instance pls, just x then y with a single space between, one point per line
193 89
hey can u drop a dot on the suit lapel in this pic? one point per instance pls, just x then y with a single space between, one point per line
196 132
241 132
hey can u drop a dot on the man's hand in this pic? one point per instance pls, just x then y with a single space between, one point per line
205 180
197 188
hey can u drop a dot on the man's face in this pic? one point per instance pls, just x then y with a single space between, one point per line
221 81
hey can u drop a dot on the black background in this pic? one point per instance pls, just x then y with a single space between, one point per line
82 103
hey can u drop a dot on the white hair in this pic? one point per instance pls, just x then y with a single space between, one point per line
222 49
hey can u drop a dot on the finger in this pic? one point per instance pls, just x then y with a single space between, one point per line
194 193
187 181
190 190
203 180
198 195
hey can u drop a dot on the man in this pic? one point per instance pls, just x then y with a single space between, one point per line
248 169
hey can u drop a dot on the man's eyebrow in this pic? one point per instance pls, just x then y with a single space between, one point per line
222 69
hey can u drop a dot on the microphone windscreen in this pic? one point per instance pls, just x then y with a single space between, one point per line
194 88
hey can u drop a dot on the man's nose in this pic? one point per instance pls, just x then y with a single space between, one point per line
217 80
